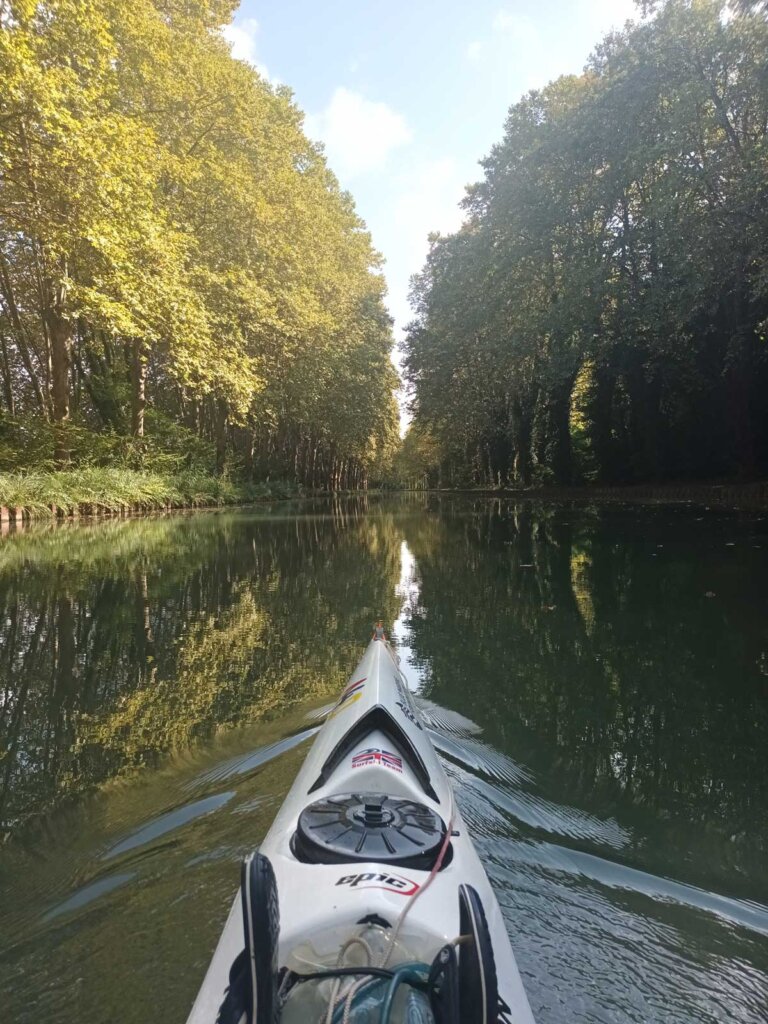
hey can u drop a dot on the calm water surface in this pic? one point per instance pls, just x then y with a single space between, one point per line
157 684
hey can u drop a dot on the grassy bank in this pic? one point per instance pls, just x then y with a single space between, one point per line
101 490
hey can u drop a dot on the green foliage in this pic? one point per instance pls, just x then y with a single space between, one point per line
168 447
418 460
601 313
109 489
173 249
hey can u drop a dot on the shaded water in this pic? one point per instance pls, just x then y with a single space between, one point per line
159 683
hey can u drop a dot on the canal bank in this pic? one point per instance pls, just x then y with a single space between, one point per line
714 494
101 491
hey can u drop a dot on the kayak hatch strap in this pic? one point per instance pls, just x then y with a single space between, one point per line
377 718
344 972
375 919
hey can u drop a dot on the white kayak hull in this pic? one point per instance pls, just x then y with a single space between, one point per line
373 741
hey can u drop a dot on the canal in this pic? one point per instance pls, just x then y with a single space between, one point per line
596 678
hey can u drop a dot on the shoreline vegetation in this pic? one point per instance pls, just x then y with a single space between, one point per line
191 307
185 288
103 492
601 315
721 495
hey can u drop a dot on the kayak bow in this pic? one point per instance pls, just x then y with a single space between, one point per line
385 911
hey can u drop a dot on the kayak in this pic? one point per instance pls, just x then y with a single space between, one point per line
367 901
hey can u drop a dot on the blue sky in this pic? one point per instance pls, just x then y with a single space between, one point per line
408 95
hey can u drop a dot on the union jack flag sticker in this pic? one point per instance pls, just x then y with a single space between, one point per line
377 756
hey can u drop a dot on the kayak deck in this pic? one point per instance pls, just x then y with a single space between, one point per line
372 863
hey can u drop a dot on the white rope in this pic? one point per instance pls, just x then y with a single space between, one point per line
336 996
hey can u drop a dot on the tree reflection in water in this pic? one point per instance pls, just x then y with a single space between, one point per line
617 795
587 642
581 638
121 641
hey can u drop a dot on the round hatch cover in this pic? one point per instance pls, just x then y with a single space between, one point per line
369 827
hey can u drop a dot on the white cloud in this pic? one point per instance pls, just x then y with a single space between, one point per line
474 50
523 58
503 21
359 134
537 59
603 15
426 201
242 39
519 26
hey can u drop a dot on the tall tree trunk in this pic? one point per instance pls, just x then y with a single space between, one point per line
140 358
65 644
60 330
560 426
220 413
522 428
738 376
296 459
7 384
21 338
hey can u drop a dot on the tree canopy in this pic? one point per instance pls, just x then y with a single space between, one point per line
601 313
174 249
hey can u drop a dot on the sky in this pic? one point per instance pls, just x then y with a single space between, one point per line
408 95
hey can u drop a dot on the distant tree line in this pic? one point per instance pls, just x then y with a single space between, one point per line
601 314
176 259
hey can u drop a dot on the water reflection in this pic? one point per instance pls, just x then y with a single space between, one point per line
122 641
593 678
589 644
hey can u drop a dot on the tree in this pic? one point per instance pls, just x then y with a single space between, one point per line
613 257
170 238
